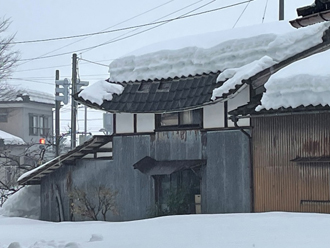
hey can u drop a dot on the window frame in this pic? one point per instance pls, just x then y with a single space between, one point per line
160 127
38 125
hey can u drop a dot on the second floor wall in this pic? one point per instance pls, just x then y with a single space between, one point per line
214 116
29 121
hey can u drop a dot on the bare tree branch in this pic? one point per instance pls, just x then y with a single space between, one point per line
8 57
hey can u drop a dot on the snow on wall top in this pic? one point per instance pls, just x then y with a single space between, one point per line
235 50
305 82
10 139
13 93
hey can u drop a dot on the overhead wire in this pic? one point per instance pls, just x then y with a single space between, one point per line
129 19
122 29
169 20
34 81
185 7
92 62
241 15
57 66
90 48
263 17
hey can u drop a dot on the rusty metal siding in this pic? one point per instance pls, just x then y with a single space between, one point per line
281 185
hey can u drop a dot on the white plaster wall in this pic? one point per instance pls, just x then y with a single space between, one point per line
213 116
240 99
124 123
145 123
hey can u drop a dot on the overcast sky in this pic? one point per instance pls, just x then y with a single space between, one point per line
43 19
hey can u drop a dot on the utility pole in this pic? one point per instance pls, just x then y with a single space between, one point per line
73 102
57 116
85 124
281 10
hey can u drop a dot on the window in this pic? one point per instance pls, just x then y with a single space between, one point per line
33 124
43 126
38 125
185 119
3 115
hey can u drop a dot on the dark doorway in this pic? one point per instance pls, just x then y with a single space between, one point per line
175 193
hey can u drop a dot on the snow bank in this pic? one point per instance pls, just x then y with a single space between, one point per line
10 139
265 230
101 90
305 82
24 203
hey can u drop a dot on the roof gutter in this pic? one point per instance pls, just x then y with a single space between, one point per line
278 114
311 19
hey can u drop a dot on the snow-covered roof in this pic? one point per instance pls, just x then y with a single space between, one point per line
10 139
216 51
303 83
13 93
238 54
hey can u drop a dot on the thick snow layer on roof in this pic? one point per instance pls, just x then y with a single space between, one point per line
305 82
101 90
10 139
12 93
218 51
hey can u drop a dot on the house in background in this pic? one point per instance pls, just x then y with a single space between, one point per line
26 113
12 159
172 131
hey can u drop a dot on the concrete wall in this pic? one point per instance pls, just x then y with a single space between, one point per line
225 186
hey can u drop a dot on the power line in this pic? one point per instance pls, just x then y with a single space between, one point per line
90 34
155 21
42 68
94 62
23 79
87 75
160 22
104 29
241 14
57 66
263 17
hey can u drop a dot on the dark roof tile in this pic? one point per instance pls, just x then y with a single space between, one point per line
173 95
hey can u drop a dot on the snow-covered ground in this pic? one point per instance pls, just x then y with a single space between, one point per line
264 230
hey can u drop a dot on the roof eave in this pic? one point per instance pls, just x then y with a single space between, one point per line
311 19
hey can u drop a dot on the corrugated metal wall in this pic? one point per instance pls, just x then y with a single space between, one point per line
282 185
225 181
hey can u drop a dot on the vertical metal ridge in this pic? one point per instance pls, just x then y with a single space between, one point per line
282 185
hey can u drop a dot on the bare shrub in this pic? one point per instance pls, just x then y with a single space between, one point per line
98 202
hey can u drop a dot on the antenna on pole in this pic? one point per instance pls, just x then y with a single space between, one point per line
281 10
